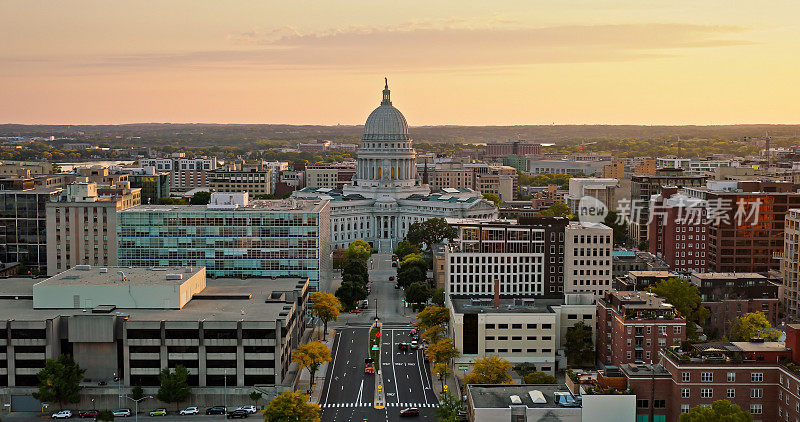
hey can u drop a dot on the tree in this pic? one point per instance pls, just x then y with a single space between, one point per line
685 297
264 196
410 275
579 346
405 248
350 293
255 396
441 370
59 381
355 270
539 377
174 386
105 415
414 260
137 392
442 351
620 234
311 356
292 407
432 316
438 297
450 408
558 209
327 308
753 324
433 334
200 198
719 411
430 232
492 198
359 250
418 293
489 370
171 201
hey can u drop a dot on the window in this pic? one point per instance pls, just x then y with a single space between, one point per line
684 408
756 393
502 326
731 393
489 338
706 377
685 376
490 326
531 338
643 403
659 404
755 409
706 393
516 326
531 326
489 350
756 377
731 376
684 393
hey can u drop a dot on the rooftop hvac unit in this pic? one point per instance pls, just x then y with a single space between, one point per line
174 276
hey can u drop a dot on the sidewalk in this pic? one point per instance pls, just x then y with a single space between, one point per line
319 378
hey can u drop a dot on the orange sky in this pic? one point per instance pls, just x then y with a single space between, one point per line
448 62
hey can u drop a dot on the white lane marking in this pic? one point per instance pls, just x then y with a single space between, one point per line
394 373
360 391
333 368
421 377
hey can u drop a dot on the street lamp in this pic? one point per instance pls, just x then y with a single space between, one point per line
118 379
137 403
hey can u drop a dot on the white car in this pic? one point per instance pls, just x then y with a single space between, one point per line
191 410
249 409
64 414
121 412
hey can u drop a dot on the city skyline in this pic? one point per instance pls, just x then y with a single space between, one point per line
590 62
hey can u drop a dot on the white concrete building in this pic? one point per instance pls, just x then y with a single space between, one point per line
587 258
385 197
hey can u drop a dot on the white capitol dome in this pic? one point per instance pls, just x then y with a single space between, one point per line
386 123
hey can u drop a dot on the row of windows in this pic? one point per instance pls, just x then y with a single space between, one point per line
519 326
520 351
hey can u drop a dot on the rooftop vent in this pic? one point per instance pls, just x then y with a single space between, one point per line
83 267
537 396
103 270
516 400
174 276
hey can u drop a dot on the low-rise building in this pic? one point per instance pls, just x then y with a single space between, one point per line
257 181
731 295
329 175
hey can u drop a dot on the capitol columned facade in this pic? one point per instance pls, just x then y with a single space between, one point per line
386 196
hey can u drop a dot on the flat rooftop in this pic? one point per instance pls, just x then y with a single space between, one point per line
499 396
252 299
726 276
259 205
662 274
86 275
485 305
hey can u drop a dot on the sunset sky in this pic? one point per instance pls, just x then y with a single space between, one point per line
448 62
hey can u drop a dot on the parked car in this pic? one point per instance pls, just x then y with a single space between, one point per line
191 410
216 410
89 413
238 413
249 409
158 412
365 304
391 278
121 412
64 414
355 311
411 411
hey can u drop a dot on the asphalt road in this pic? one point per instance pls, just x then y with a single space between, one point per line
348 394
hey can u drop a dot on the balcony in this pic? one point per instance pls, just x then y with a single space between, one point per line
259 356
27 371
220 371
258 342
29 342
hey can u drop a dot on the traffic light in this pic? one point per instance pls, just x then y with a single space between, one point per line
445 388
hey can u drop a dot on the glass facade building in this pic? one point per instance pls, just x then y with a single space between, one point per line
263 239
23 233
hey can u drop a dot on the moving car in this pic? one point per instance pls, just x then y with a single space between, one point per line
249 409
158 412
411 411
402 346
121 412
216 410
365 304
355 311
414 345
391 278
64 414
88 414
238 413
191 410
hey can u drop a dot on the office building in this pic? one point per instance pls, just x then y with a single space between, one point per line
254 181
594 189
154 184
231 237
576 168
503 149
587 258
790 264
502 181
329 175
23 225
186 173
449 175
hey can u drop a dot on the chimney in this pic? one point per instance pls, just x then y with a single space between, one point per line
496 293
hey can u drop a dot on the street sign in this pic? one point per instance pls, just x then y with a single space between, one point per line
445 388
463 368
374 347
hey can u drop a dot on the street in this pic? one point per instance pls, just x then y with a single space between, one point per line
349 393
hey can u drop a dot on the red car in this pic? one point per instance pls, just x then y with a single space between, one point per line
355 311
411 411
88 414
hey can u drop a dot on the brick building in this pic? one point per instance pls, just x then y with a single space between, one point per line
731 295
677 231
503 149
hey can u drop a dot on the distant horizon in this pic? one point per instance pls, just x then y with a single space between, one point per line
410 125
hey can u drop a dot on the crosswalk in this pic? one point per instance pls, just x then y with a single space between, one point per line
403 405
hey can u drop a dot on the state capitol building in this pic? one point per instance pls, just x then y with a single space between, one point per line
386 196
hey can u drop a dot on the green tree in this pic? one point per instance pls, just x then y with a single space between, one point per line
719 411
59 381
685 297
539 377
430 232
438 297
414 260
292 407
171 201
753 324
359 250
411 275
264 196
492 198
350 293
450 408
200 198
432 316
579 346
418 293
174 385
355 270
620 234
105 415
405 248
489 370
558 209
327 308
255 396
311 356
137 392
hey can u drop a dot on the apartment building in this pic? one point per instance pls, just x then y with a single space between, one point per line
131 323
585 168
678 231
615 170
790 264
330 175
504 149
502 181
82 227
186 173
13 168
256 181
449 175
731 295
587 258
633 326
644 166
232 237
23 225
